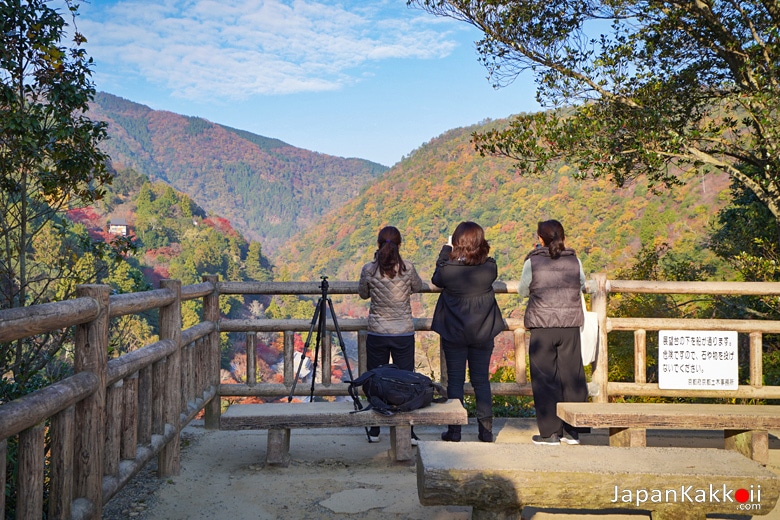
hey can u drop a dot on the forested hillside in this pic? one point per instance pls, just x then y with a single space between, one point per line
445 182
269 190
172 237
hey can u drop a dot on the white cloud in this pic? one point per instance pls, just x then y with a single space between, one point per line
234 49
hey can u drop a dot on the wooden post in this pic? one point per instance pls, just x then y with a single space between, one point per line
520 357
213 409
30 479
192 381
91 355
129 418
362 336
599 305
158 397
200 367
289 358
756 359
3 455
170 328
145 405
251 358
61 463
640 356
187 376
326 358
114 398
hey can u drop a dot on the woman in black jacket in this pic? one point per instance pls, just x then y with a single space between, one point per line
467 318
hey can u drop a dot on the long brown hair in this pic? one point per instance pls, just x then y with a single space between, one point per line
553 236
469 244
387 257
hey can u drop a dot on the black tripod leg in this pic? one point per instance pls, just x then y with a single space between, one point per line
303 353
341 340
321 332
355 400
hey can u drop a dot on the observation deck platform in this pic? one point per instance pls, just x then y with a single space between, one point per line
335 473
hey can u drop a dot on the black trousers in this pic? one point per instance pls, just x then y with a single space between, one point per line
379 349
556 375
477 357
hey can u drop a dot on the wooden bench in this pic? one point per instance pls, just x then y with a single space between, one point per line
280 418
744 426
499 480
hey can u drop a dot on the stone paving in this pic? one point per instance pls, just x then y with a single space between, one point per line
336 473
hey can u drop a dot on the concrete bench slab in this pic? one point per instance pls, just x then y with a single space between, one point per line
498 480
744 426
280 418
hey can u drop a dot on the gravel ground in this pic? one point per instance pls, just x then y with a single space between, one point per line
137 498
133 500
333 474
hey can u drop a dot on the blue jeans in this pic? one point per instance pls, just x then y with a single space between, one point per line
477 357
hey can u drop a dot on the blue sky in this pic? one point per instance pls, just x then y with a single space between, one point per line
361 78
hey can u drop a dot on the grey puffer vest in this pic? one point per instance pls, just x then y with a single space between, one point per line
390 312
554 299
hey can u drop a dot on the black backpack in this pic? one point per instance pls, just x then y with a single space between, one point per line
390 389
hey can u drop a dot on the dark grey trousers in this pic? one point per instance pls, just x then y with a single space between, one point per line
556 375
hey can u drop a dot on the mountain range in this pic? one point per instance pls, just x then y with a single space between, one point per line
319 215
268 189
445 182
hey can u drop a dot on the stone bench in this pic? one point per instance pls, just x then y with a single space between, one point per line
280 418
744 426
499 480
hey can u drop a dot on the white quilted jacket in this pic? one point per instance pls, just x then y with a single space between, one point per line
390 311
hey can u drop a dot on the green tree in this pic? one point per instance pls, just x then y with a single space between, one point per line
49 156
650 87
744 238
654 263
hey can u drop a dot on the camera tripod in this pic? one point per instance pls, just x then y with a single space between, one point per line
319 319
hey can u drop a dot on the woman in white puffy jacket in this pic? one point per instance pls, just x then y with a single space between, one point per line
389 282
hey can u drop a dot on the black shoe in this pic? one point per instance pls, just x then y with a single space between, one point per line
373 434
485 429
452 434
552 440
415 439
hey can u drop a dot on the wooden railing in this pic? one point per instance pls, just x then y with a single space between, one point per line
756 329
113 416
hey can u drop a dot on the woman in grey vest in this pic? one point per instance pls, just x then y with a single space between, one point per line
553 280
389 282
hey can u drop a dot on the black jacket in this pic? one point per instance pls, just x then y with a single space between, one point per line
467 312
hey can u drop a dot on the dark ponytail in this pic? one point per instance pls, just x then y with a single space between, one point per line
551 232
387 256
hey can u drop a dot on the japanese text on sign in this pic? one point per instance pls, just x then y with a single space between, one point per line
697 360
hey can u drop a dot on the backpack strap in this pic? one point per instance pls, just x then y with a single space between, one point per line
353 392
442 393
381 407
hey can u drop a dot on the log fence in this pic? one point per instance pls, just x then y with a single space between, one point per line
114 416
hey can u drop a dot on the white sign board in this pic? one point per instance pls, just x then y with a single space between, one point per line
697 360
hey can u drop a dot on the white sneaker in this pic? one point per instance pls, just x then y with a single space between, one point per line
569 438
